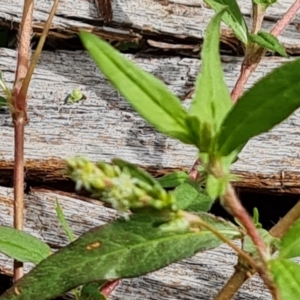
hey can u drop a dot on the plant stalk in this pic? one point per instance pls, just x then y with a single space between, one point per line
37 52
249 65
232 204
241 274
258 11
18 186
259 267
18 107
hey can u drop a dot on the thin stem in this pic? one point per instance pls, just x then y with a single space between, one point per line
26 81
19 187
241 273
284 224
238 278
196 220
260 268
18 109
109 287
286 19
232 204
249 65
258 11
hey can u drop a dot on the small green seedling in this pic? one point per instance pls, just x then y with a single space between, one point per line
75 96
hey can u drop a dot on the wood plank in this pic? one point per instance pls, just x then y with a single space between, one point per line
199 277
104 126
134 19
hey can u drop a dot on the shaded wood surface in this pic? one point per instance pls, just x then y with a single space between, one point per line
199 277
180 21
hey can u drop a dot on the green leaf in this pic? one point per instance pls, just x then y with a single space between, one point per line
201 132
75 96
149 96
286 275
266 104
173 179
63 222
3 101
91 291
212 100
268 41
266 3
191 197
122 249
268 239
22 246
215 187
290 243
256 218
232 17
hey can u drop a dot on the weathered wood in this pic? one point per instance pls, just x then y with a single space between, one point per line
179 21
104 126
199 277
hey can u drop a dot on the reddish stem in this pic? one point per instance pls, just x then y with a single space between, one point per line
250 63
18 109
286 19
109 287
234 206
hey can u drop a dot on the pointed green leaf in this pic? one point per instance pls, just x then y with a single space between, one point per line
268 239
22 246
173 179
91 291
122 249
286 275
232 17
290 243
63 222
202 131
212 100
266 3
266 104
3 102
191 197
256 218
149 96
215 187
268 41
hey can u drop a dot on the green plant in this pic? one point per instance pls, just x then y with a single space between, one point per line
159 226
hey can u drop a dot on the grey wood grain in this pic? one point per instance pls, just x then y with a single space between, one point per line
178 20
199 277
104 126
